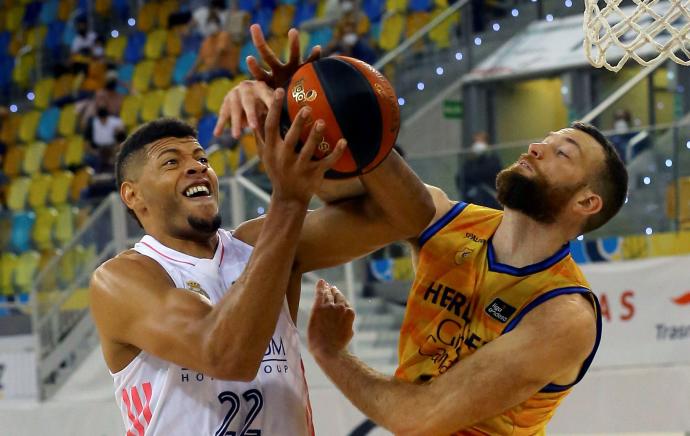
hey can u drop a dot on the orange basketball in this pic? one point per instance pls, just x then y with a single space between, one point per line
356 102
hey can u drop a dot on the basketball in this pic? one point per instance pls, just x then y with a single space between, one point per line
355 101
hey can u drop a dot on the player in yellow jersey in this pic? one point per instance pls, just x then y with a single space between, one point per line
500 322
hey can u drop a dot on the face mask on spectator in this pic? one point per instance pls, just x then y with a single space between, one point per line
350 39
620 126
102 112
479 147
347 6
111 85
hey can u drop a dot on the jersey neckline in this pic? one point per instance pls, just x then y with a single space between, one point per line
547 263
177 256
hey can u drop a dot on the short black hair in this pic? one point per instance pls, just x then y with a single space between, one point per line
610 180
144 135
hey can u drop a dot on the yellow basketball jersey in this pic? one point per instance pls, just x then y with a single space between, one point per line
462 298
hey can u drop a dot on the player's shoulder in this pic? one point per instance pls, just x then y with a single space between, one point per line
571 314
124 269
441 201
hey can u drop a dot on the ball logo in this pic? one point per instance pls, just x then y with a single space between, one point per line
300 95
378 88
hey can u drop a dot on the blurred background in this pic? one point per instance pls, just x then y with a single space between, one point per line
477 81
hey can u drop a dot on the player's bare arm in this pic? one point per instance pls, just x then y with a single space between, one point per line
136 307
548 345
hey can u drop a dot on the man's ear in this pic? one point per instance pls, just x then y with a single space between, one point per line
588 203
130 195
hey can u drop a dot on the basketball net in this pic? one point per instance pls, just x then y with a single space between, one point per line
648 32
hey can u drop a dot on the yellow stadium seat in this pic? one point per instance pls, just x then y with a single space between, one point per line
42 234
282 19
233 158
248 144
396 5
415 21
60 188
23 68
148 17
216 93
9 128
87 255
16 43
33 157
68 120
65 9
155 42
216 159
142 76
49 281
321 9
80 181
277 43
194 100
18 193
69 263
173 43
151 105
172 103
304 38
164 10
64 224
52 158
36 36
440 35
12 166
38 190
28 126
77 301
13 19
74 152
44 92
25 272
5 230
115 48
8 265
391 30
130 110
63 86
162 72
102 7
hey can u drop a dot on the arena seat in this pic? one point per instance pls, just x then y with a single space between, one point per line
173 43
8 264
305 11
44 92
282 19
53 40
38 190
374 9
164 10
141 80
26 269
115 48
130 110
36 36
194 100
134 51
248 49
49 12
52 157
5 230
13 19
173 100
29 125
321 36
205 127
440 35
151 105
68 120
80 181
64 224
10 128
217 161
74 152
42 235
391 31
48 124
183 66
33 157
65 8
102 7
60 188
23 67
63 85
155 42
22 226
147 18
18 193
162 72
216 93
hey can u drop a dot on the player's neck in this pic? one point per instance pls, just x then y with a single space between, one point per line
202 249
521 241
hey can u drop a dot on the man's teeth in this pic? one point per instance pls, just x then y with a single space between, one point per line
195 189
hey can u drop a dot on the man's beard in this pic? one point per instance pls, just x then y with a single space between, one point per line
205 226
533 197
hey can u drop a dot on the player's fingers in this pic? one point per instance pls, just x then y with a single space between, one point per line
265 93
330 160
314 55
272 123
262 47
222 116
293 43
313 140
328 297
235 109
295 131
256 70
248 100
338 296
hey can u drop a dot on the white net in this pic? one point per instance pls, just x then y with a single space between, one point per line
649 31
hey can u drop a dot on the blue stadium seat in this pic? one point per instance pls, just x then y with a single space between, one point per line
263 17
247 49
268 4
4 311
125 73
305 11
54 36
134 51
183 65
6 67
206 125
247 5
420 5
31 14
121 9
48 124
374 9
321 36
49 12
5 38
192 42
68 34
22 225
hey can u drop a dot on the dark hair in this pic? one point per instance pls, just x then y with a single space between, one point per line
144 135
610 180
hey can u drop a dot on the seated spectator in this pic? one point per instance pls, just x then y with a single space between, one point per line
622 126
85 39
477 180
217 57
347 42
202 15
107 97
103 133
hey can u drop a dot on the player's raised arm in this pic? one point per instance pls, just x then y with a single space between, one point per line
500 375
135 304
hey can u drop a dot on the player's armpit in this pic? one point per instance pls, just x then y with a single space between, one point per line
133 302
552 340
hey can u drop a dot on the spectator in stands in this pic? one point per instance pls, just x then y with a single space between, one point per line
622 124
218 56
103 133
107 97
85 39
477 180
347 42
202 16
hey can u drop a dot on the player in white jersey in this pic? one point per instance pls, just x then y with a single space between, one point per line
195 323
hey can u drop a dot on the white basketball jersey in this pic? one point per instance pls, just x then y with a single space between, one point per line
159 398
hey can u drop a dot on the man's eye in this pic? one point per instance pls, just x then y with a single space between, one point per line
203 160
170 162
563 154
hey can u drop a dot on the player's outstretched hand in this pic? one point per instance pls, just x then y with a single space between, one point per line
330 325
294 175
279 72
245 105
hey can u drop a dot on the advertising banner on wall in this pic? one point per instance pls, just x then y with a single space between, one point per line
18 379
645 307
